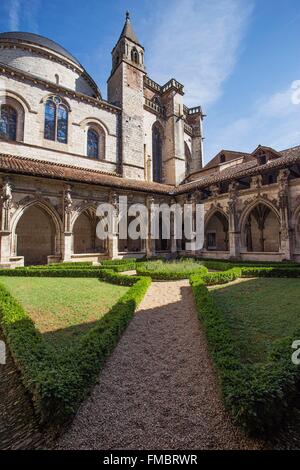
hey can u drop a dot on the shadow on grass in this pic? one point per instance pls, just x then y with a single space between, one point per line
259 311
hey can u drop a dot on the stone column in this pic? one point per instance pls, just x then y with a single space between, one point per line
113 241
68 234
283 200
173 240
234 233
150 244
6 202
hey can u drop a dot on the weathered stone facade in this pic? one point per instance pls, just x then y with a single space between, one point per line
149 148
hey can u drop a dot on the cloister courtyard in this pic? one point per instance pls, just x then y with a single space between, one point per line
149 342
150 354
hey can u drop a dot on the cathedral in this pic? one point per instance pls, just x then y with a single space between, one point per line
64 150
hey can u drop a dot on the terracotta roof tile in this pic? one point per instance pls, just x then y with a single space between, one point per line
33 167
251 168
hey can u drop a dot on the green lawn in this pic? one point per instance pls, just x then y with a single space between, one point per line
260 311
63 308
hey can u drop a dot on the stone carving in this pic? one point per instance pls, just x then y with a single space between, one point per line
68 207
215 190
256 182
6 199
68 202
283 202
23 202
6 193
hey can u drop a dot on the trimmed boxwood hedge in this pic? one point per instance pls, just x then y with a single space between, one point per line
270 271
162 275
58 382
225 265
62 271
222 277
109 262
258 396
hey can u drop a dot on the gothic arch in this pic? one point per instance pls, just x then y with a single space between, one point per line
36 232
93 121
260 227
135 55
216 230
83 226
252 205
296 226
162 244
64 101
83 207
6 95
19 106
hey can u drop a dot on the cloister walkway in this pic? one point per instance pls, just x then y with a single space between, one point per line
158 390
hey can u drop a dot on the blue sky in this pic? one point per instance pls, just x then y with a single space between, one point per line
237 58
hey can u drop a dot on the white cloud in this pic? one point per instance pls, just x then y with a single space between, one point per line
274 121
197 42
25 11
14 7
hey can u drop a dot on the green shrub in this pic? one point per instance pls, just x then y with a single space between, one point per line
109 262
258 396
79 264
217 265
59 382
222 277
172 270
270 271
61 271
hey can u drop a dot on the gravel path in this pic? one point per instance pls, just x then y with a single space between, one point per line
158 389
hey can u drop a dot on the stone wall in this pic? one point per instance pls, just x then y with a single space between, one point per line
81 115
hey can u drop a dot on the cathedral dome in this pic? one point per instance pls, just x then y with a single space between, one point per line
46 59
35 39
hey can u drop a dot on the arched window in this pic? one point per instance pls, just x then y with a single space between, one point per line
92 144
8 122
56 120
157 154
135 56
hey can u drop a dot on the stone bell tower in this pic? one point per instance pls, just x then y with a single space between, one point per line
125 89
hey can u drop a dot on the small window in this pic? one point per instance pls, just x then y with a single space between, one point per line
56 120
135 56
262 159
211 240
271 179
92 144
222 158
8 122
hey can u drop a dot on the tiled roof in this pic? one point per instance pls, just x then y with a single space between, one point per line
294 151
127 31
229 154
250 168
33 167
